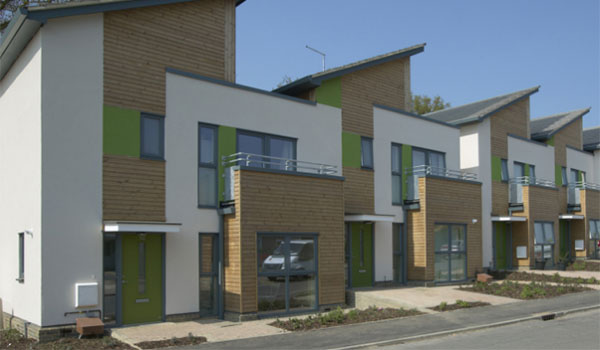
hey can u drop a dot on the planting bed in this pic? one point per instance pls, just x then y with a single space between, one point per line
185 341
339 317
458 305
556 278
533 290
584 266
12 339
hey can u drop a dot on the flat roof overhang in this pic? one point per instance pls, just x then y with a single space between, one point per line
367 217
509 218
140 226
571 217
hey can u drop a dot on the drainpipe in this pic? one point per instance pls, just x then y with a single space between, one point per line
26 326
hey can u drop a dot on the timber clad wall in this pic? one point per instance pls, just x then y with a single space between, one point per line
590 208
439 199
139 44
268 202
499 198
133 189
571 135
382 84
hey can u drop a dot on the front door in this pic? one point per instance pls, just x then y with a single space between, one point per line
362 254
209 252
500 243
565 239
142 278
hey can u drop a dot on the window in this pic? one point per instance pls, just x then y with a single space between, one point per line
366 152
287 272
582 176
544 240
594 251
433 159
152 136
504 169
563 174
21 257
574 176
207 166
141 267
450 252
518 169
282 148
532 172
398 249
396 174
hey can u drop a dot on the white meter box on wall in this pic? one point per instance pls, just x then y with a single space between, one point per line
86 294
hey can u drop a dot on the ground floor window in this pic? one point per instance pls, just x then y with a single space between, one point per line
398 248
287 272
544 241
109 292
595 239
450 252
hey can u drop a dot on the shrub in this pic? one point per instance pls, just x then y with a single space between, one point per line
443 306
592 280
353 314
462 303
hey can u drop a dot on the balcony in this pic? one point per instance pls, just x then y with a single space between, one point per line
515 188
413 174
574 194
271 164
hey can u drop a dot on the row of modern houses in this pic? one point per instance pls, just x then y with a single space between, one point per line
140 183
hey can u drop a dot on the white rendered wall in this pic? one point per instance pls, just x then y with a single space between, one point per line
540 155
190 101
596 178
72 69
583 161
475 157
393 127
20 183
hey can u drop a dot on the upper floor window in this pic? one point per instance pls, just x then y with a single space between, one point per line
504 169
574 176
207 165
532 171
152 136
434 159
279 147
366 152
563 174
396 174
518 169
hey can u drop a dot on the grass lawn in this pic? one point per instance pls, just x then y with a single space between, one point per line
339 317
525 291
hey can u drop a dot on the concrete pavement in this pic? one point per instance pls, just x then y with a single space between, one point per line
393 330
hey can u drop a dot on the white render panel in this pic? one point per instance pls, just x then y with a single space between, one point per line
542 156
72 95
583 161
596 178
190 101
384 255
393 127
20 183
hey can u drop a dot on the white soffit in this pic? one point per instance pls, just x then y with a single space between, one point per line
570 217
127 226
360 218
509 218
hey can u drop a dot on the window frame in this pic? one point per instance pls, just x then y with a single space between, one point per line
532 172
597 229
545 243
564 177
266 144
504 174
427 155
449 252
214 166
161 138
21 256
362 153
522 165
398 251
397 172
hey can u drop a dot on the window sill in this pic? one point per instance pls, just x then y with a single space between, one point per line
366 168
160 159
207 207
20 280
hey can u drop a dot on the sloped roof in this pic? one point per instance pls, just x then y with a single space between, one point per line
591 139
543 128
27 20
314 80
476 111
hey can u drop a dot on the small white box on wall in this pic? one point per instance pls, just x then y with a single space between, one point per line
579 244
522 252
86 294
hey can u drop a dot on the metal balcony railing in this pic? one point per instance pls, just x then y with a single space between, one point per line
574 191
515 187
270 162
413 174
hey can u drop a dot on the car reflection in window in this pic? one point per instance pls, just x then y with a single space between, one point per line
301 257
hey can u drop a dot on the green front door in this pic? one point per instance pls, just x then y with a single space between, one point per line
500 244
142 297
565 239
362 254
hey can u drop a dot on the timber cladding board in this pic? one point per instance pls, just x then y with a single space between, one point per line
439 199
499 198
513 119
382 84
590 205
140 43
133 189
359 191
268 202
571 135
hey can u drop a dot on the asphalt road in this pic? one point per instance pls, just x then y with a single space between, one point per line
573 331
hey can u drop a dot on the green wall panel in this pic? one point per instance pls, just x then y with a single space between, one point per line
330 92
526 168
227 146
350 150
121 131
558 175
496 168
550 141
406 164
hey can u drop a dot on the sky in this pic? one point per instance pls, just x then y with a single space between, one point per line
476 49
